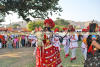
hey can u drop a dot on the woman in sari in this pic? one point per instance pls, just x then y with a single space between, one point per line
93 50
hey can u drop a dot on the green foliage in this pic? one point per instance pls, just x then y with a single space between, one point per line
34 8
62 22
1 17
59 27
1 20
31 25
59 23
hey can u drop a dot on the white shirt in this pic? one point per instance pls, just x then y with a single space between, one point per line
73 41
56 42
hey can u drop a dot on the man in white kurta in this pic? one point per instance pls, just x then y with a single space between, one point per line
73 45
84 46
66 44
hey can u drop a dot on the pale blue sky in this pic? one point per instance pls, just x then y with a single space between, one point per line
76 10
80 10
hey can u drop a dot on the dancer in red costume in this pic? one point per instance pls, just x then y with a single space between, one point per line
47 55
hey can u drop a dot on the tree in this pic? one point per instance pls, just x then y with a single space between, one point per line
1 17
1 20
62 22
59 27
31 25
34 8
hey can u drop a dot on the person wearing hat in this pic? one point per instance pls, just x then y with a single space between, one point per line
73 42
66 42
47 55
55 39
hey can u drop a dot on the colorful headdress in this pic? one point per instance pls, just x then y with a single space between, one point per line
49 22
71 28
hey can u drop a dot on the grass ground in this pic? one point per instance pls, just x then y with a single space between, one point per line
23 57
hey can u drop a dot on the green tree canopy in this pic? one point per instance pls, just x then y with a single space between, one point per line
62 22
31 25
34 8
59 27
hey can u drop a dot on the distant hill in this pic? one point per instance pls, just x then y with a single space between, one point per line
79 24
82 24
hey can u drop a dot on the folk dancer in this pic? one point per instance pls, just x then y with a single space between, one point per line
73 46
66 43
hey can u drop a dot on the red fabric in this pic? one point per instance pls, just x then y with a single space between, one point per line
84 30
51 57
56 30
44 41
38 63
73 29
66 55
88 27
47 57
2 38
90 48
45 36
65 29
73 58
50 22
42 55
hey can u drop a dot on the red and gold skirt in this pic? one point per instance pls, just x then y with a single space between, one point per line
48 57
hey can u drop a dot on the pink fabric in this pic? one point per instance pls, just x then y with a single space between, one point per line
15 40
23 37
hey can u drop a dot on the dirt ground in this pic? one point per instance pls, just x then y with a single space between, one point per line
23 57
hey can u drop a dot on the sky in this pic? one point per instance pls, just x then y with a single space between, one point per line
75 10
80 10
12 18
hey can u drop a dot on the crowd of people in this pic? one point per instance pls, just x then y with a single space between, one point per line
90 45
47 44
17 41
